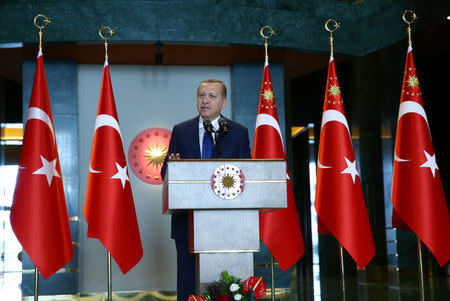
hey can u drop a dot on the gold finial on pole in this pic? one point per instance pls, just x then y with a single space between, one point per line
336 26
43 21
413 18
106 38
266 37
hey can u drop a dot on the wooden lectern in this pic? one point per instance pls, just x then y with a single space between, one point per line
224 198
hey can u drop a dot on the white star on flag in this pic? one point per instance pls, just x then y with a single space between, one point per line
121 174
351 169
431 163
48 169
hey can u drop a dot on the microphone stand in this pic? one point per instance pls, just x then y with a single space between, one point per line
209 129
223 130
218 139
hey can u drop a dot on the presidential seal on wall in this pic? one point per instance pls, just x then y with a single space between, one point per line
147 152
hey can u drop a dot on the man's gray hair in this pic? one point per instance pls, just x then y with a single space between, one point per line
215 81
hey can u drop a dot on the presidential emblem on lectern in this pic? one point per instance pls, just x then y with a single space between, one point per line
227 181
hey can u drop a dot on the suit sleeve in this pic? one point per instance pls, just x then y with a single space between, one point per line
172 150
244 145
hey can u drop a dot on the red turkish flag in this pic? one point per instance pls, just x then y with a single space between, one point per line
109 207
39 213
340 205
280 229
417 193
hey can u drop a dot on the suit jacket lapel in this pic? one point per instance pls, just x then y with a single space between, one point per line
195 142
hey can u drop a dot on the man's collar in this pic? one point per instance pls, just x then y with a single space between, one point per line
215 122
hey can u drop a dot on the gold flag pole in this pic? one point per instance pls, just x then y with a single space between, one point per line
266 37
36 284
409 17
409 22
110 32
40 21
44 22
108 273
336 25
421 280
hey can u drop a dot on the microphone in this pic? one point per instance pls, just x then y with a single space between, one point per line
223 125
223 130
207 125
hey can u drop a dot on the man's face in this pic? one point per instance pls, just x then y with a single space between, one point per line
210 101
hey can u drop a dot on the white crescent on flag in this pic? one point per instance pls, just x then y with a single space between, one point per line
407 107
36 113
93 170
266 119
412 107
107 120
333 115
396 158
320 165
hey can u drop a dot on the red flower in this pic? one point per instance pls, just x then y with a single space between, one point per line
224 297
257 285
196 298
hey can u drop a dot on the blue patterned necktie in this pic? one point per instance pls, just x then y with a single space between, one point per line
207 146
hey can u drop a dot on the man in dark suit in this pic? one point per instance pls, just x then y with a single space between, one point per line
222 138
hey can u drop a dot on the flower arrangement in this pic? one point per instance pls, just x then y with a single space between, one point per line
230 288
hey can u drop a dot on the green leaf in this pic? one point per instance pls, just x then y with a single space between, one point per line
226 276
